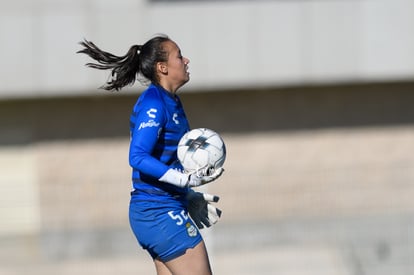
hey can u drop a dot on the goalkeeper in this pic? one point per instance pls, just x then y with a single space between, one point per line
162 199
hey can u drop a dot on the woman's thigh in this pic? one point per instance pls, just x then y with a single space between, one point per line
194 261
161 268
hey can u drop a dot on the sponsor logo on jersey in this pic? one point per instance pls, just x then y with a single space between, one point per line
174 118
149 123
151 112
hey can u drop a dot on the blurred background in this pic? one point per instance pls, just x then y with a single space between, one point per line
314 100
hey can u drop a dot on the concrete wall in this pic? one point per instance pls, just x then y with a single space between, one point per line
231 44
317 181
313 98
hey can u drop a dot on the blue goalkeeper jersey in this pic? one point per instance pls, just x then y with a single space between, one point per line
157 123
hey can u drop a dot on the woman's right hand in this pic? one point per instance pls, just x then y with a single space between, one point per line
193 179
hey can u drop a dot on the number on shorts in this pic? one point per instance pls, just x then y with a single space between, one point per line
180 218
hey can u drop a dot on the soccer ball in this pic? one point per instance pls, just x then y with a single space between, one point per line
201 149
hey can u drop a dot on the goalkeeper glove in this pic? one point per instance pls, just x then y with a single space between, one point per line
193 179
201 211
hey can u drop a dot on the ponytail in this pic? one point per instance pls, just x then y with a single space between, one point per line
124 68
139 60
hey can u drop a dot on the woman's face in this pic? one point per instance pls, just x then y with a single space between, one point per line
176 67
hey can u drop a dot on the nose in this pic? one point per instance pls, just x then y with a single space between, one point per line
186 61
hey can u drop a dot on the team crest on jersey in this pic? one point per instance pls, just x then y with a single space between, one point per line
191 230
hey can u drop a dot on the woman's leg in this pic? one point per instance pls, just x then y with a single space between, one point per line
194 261
161 268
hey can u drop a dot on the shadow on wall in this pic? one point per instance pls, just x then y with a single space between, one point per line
227 111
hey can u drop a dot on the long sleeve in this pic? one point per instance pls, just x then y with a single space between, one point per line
143 153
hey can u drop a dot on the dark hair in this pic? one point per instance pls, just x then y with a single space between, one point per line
140 60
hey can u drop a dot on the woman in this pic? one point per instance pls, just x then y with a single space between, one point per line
162 196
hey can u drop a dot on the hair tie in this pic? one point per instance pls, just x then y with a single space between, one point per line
139 47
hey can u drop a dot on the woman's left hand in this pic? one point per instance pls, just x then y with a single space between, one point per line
203 213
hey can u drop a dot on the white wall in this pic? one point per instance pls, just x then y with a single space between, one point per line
230 44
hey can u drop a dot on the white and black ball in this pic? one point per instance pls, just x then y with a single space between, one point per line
201 148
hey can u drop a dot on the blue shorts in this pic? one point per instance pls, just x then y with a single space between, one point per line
163 229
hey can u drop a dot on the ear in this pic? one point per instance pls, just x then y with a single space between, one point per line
162 67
